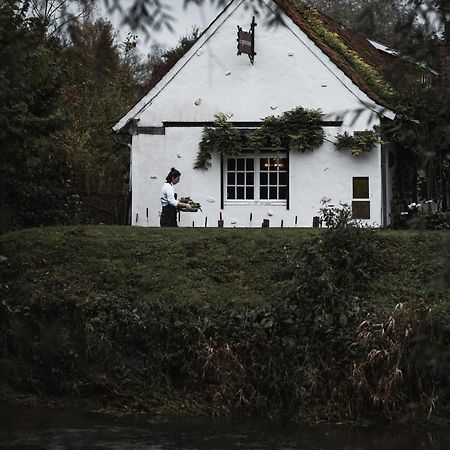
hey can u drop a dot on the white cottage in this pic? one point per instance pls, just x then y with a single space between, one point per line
293 67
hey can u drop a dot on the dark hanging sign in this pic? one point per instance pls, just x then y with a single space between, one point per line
246 41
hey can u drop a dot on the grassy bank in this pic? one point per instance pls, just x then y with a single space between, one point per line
304 324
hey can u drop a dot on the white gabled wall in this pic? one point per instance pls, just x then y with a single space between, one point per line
289 71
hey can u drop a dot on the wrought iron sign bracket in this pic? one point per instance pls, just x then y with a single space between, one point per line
246 41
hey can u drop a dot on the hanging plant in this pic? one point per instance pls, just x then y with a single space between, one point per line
299 129
223 138
362 141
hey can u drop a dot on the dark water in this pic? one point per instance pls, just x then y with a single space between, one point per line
62 429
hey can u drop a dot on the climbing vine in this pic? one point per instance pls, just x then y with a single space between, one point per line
223 138
299 129
362 141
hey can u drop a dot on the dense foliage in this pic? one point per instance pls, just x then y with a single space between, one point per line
299 129
332 324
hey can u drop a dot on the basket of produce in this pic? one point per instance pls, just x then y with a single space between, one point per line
195 206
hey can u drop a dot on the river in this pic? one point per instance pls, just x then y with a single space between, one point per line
26 428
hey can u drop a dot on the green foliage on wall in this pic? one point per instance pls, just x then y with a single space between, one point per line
299 129
362 141
222 138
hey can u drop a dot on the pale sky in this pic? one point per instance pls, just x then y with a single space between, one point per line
185 18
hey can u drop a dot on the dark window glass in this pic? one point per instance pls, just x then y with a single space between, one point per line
273 178
231 164
264 164
361 210
273 193
250 164
263 193
250 179
283 178
240 193
240 178
231 193
282 193
263 179
231 178
250 193
361 187
240 163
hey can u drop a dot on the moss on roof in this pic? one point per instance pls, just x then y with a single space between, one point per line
352 53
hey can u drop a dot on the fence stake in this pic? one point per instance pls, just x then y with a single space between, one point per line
137 215
206 222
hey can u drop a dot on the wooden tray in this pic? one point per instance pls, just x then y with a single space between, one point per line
188 210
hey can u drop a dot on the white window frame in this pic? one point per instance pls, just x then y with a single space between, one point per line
362 199
256 157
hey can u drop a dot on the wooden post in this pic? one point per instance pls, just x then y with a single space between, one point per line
265 223
137 215
206 222
251 218
296 221
220 221
146 213
282 221
193 224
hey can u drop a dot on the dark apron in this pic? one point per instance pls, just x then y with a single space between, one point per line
169 216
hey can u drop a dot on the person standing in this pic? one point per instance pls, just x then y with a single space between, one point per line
169 203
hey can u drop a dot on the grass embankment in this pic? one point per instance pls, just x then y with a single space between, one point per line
305 324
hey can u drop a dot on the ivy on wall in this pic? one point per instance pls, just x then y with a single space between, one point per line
299 129
359 142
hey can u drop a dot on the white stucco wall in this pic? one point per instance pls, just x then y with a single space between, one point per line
289 71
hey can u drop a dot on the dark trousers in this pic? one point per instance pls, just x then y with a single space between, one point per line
168 216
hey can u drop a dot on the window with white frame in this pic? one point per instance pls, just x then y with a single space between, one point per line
256 178
361 199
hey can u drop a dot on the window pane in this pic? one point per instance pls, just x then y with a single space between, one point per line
273 193
263 193
231 164
282 193
240 163
240 178
250 164
231 193
264 164
263 178
231 178
283 179
240 193
361 210
361 187
273 179
250 193
250 179
282 164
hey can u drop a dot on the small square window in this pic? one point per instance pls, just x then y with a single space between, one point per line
231 193
360 187
231 164
361 210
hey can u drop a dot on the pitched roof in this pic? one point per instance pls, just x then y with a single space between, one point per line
354 54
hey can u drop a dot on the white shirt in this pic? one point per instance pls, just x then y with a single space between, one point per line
168 195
